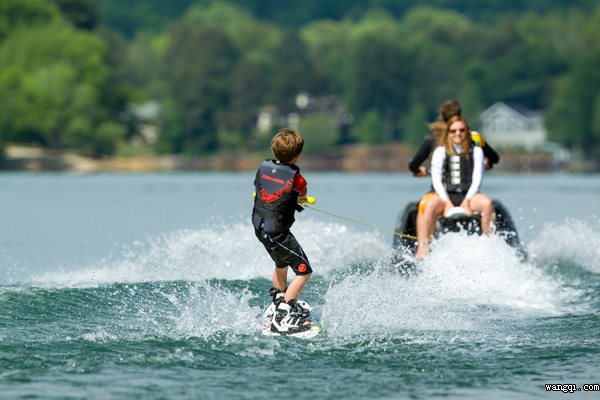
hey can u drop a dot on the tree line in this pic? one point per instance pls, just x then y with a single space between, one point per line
69 79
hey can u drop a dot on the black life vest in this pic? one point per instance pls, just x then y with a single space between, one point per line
458 172
276 200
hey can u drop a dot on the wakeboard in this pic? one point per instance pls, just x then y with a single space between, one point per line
309 327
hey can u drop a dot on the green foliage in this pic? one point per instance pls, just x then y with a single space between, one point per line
329 46
106 139
414 125
10 85
375 24
591 32
154 15
81 13
434 41
370 128
200 64
596 119
131 16
320 132
250 87
16 14
230 139
33 49
42 106
424 26
528 62
214 65
564 118
379 72
141 63
170 139
572 113
379 79
294 73
243 29
54 79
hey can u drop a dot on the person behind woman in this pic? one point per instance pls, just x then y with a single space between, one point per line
448 109
457 168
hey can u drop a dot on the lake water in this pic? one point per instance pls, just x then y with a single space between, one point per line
152 286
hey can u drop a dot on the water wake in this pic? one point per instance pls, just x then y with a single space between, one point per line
465 284
224 252
572 242
208 310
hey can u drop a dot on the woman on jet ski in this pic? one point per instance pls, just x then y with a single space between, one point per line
457 168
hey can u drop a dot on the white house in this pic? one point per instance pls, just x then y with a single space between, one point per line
505 126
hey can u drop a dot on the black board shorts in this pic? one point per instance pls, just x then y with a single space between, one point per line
285 250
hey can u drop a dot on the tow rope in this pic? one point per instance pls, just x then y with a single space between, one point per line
381 228
311 200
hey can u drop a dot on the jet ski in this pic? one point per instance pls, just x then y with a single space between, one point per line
455 220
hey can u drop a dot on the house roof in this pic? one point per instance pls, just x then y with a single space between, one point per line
515 110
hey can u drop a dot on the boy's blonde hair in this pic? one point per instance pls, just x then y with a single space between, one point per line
287 144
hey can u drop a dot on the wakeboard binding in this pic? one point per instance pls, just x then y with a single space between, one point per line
290 317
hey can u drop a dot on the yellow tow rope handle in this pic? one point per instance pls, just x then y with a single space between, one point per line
301 200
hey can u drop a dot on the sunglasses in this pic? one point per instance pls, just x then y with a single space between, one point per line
461 130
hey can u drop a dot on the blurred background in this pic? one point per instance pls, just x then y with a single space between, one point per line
88 85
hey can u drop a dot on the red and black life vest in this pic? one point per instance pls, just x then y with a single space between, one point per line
458 172
276 200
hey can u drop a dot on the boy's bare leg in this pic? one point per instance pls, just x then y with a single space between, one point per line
280 278
293 291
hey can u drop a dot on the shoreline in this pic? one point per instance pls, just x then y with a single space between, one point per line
393 157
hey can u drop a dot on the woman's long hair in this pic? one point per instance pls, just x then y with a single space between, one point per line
436 130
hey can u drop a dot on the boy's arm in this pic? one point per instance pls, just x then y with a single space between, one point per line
300 185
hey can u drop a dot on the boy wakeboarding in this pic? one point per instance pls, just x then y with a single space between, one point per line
279 186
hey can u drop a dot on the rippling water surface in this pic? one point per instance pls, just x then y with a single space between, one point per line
152 286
